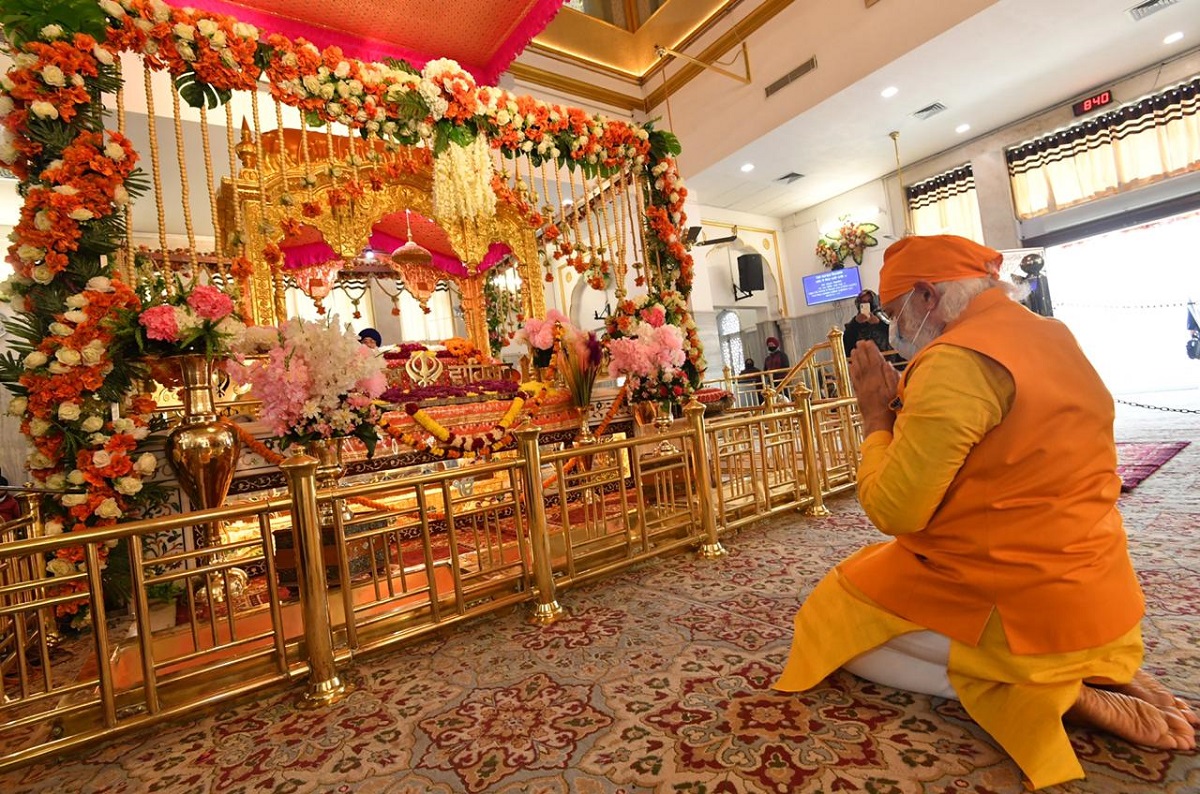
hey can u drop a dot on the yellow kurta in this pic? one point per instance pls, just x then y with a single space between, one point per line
1018 699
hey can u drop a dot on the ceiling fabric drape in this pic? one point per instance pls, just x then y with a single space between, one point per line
946 204
1142 143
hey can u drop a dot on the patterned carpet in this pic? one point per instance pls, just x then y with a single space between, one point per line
659 681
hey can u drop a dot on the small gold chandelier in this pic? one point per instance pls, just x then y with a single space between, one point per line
411 253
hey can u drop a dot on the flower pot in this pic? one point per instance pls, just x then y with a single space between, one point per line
202 449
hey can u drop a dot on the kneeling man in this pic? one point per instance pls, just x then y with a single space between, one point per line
1007 583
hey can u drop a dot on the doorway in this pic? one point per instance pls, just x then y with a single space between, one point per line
1124 295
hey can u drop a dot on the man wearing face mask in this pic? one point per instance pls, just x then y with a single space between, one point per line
1007 584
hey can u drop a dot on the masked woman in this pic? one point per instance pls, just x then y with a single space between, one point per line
868 325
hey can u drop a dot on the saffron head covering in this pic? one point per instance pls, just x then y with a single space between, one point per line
936 258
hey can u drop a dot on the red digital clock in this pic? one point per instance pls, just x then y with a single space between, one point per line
1094 102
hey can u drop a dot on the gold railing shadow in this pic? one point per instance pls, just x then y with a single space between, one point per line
431 550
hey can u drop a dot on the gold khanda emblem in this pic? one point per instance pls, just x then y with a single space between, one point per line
424 367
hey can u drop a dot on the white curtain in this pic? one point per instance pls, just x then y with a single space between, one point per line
1141 143
946 204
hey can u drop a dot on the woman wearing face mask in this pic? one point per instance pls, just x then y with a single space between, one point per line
868 325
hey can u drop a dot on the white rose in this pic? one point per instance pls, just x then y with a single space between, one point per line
68 412
25 60
247 31
139 433
17 406
53 527
56 481
76 316
75 477
52 31
30 253
100 284
206 27
219 41
58 368
184 31
77 301
42 221
8 152
185 51
66 190
35 359
128 485
38 460
52 75
59 566
112 8
98 439
61 329
327 91
120 196
44 110
92 352
342 70
92 424
146 465
102 55
38 427
68 356
108 509
42 274
114 151
101 458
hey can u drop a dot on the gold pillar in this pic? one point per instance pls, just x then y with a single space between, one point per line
324 686
547 609
711 548
812 471
474 310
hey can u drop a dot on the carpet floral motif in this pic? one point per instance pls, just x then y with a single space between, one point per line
493 733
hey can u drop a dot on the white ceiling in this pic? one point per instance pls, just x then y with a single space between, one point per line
1012 60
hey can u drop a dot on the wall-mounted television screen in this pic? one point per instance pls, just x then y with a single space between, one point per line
832 285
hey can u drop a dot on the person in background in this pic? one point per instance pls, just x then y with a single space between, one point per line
1007 583
776 358
866 325
749 381
370 337
10 509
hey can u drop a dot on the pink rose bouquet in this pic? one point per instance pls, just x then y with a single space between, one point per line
193 318
539 335
654 344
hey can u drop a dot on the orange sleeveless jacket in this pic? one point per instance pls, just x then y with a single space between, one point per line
1029 525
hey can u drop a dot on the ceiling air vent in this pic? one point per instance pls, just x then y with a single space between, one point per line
789 177
792 76
1143 10
929 110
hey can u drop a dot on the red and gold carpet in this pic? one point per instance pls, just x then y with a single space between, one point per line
659 680
1138 460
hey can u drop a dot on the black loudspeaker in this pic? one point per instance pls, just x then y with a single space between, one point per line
750 272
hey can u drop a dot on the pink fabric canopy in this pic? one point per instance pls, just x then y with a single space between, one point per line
484 36
305 255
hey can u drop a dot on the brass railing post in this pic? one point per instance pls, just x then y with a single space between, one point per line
838 352
547 609
324 685
31 505
711 548
812 469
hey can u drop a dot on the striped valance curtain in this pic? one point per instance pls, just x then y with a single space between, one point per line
946 204
1139 144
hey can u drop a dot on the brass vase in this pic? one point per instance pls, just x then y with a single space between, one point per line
202 449
662 424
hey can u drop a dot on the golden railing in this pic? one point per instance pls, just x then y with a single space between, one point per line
307 584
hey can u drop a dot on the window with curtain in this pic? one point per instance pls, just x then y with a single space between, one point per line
1141 143
946 204
729 331
337 302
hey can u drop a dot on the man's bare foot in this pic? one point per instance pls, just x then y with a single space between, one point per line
1148 688
1132 719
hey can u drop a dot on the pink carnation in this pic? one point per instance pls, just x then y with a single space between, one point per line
655 315
160 325
210 303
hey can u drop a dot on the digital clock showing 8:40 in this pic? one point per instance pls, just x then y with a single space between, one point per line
1094 102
